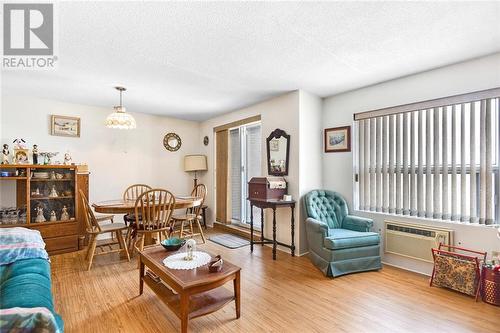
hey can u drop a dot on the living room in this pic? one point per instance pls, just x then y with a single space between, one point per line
250 167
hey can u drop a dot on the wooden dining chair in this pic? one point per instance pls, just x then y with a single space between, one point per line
94 229
131 194
192 215
155 208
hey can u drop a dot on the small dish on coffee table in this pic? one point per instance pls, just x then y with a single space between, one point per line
173 244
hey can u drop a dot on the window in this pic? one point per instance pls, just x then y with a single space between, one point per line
436 159
245 163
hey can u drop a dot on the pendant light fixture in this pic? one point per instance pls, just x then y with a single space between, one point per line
119 119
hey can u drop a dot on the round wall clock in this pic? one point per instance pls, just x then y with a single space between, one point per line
205 140
172 142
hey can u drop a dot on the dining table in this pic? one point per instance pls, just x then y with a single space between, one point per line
122 206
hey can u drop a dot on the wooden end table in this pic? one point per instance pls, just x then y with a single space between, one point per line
197 291
273 204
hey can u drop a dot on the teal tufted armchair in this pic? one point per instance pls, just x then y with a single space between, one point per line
339 243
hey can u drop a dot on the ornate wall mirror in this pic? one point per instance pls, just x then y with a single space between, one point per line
172 142
278 149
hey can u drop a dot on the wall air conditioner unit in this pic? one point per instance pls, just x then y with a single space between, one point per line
414 240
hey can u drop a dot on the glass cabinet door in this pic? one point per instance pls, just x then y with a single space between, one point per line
52 194
13 195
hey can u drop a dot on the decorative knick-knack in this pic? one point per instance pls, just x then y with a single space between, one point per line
35 154
67 159
19 143
39 215
190 248
53 175
64 214
5 154
53 216
53 192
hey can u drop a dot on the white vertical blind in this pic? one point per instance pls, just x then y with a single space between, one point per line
482 165
398 147
406 189
420 177
473 176
488 166
391 163
385 178
373 147
436 174
367 164
454 210
413 188
463 168
379 165
444 124
361 152
428 168
441 162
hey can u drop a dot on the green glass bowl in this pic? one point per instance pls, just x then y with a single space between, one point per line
173 244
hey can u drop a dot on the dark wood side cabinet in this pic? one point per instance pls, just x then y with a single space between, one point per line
45 198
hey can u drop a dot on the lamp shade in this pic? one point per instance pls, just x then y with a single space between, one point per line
121 120
195 163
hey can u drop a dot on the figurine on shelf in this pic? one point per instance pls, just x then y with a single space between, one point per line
53 192
36 193
35 154
67 159
39 215
53 216
47 157
5 154
64 214
53 175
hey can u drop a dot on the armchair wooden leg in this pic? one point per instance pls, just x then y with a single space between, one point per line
91 239
123 245
182 230
91 252
201 231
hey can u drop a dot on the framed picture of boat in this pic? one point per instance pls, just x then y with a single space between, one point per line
65 126
338 139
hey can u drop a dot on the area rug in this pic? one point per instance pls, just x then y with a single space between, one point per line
229 241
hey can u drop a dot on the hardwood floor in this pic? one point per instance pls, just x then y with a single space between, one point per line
287 295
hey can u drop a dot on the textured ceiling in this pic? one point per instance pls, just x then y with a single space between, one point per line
196 60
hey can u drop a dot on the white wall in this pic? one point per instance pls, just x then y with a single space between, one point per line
116 158
311 148
338 110
280 112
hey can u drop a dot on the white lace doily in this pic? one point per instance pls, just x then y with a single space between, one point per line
176 261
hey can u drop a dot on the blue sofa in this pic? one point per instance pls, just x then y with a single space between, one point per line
25 282
339 243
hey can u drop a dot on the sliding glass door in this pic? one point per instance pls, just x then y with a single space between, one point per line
245 163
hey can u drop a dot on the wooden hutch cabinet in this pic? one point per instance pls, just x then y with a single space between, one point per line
45 198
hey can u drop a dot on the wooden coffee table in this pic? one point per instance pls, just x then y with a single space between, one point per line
197 291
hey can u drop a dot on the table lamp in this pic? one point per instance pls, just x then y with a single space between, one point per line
195 163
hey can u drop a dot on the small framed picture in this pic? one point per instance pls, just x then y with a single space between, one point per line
338 139
65 126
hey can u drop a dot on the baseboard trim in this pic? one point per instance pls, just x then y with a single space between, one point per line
406 269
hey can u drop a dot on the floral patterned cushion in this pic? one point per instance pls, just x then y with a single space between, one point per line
455 273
